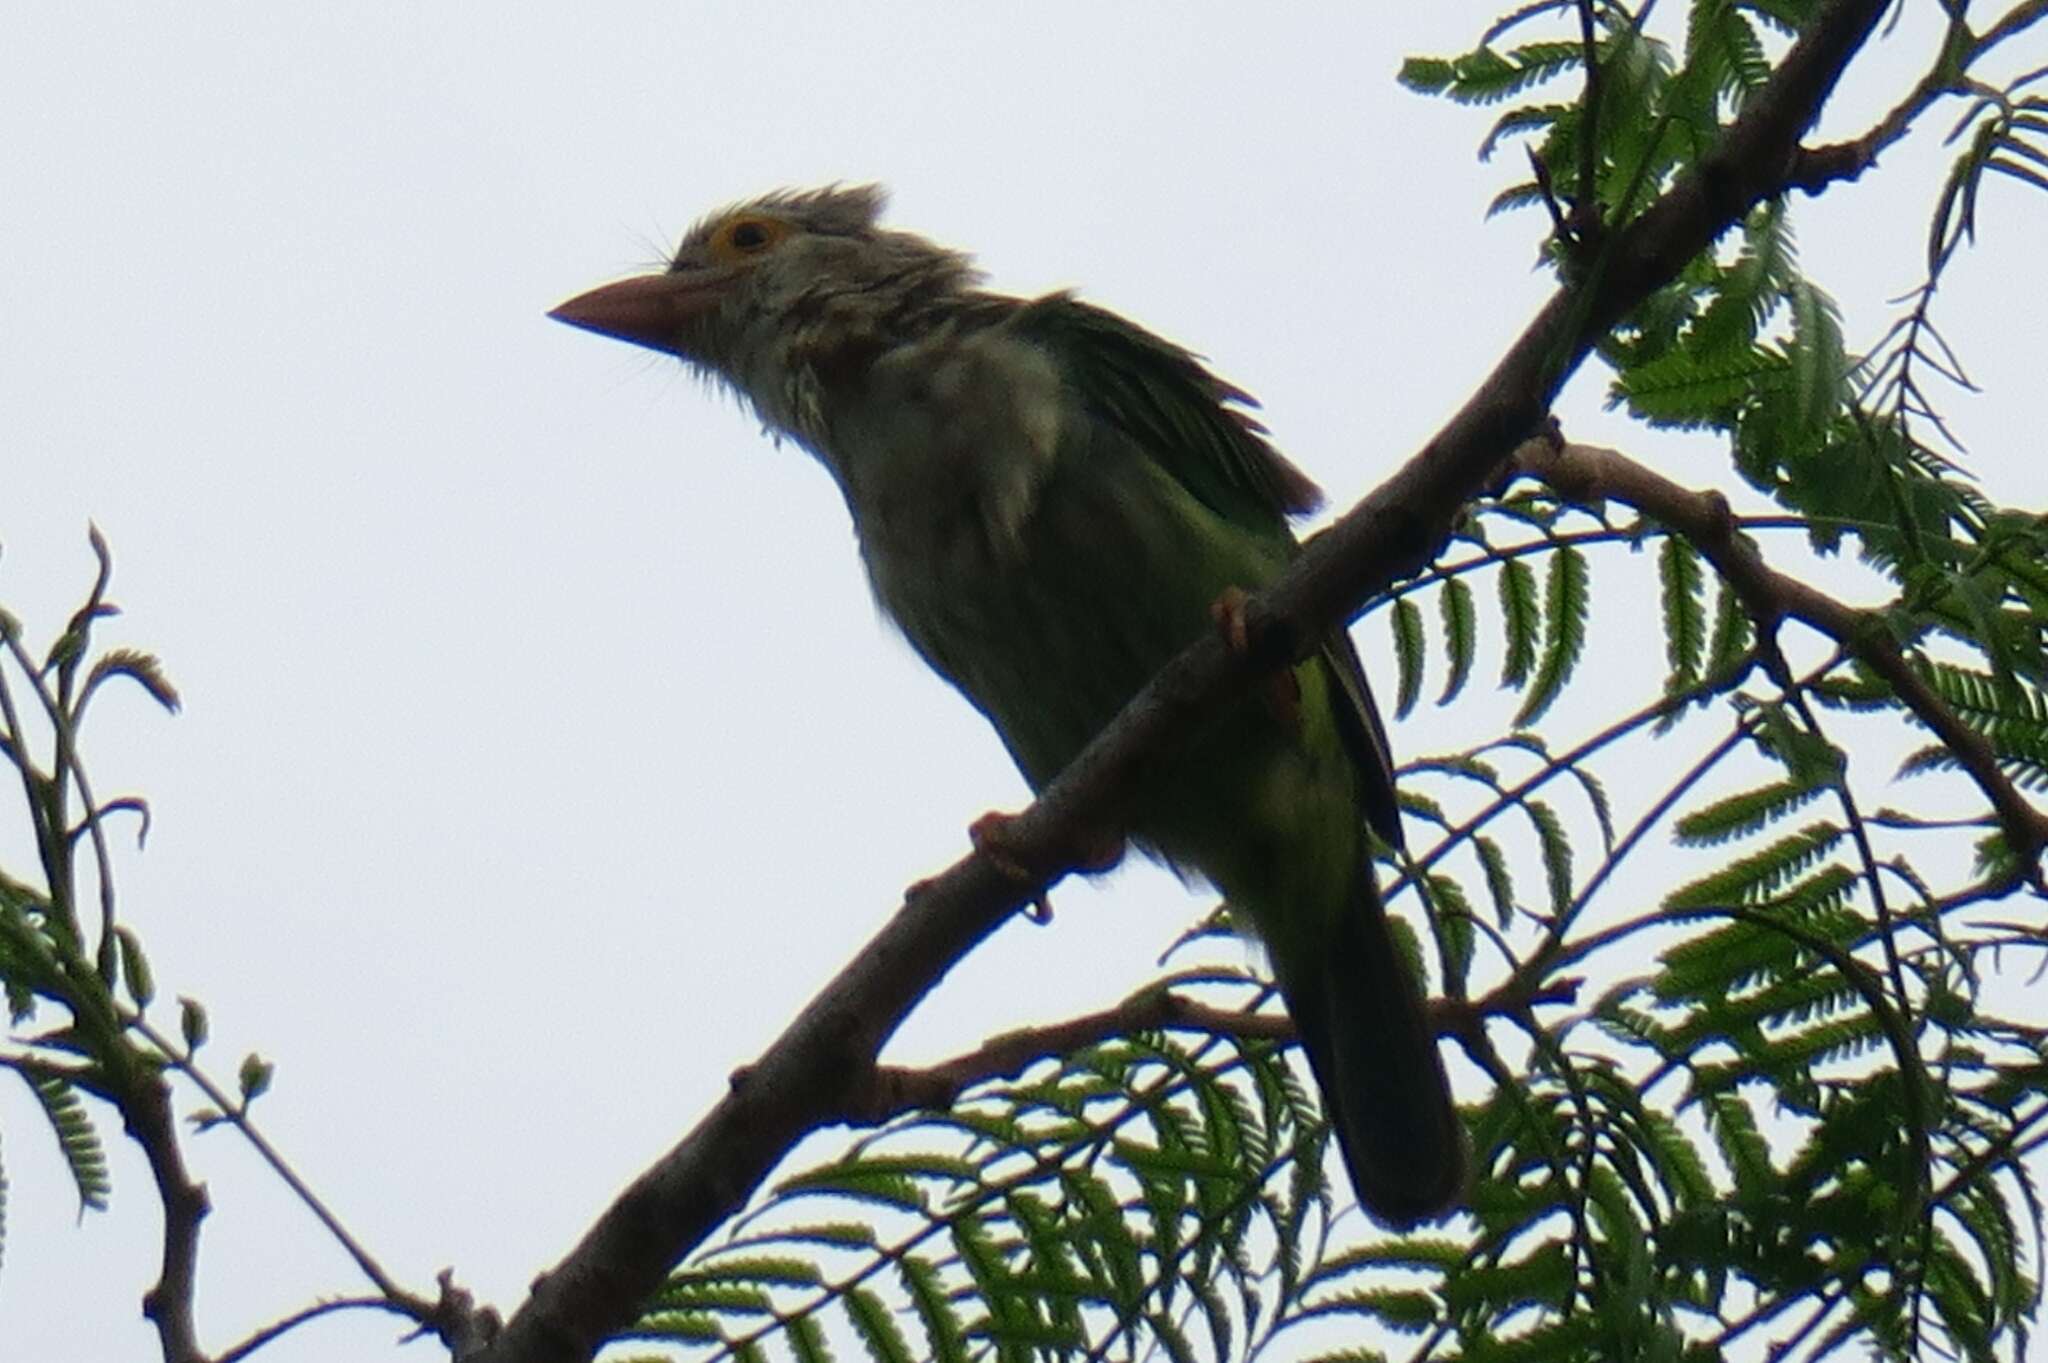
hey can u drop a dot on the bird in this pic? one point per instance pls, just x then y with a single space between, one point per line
1051 502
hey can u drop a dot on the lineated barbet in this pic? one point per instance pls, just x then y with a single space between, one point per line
1051 503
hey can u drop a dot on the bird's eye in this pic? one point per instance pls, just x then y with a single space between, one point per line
744 238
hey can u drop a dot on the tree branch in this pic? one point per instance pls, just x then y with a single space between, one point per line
145 1103
2018 18
809 1073
236 1114
300 1317
1815 168
892 1090
1585 472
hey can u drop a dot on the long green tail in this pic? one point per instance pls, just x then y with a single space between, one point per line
1364 1025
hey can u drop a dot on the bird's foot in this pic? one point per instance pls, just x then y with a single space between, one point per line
1281 690
1228 612
991 837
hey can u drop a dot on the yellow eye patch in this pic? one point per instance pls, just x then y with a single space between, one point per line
746 236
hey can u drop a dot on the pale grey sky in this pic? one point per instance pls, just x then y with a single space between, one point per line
542 751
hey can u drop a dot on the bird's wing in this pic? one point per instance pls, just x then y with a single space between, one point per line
1192 423
1196 426
1365 735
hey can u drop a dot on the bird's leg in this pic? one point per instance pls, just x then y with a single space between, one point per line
1280 690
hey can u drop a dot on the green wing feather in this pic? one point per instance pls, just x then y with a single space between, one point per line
1187 419
1196 426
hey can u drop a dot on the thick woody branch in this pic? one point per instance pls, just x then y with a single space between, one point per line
145 1103
1588 473
808 1077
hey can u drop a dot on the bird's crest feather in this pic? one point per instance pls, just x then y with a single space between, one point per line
835 209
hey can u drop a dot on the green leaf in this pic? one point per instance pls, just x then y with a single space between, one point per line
945 1340
767 1270
1500 886
876 1325
1751 879
1406 1312
1596 797
1406 619
1527 119
1428 75
1683 390
1557 853
1744 813
1460 620
1522 195
1522 619
1685 613
1486 76
135 971
1565 593
684 1293
1749 291
1742 1146
1955 213
254 1077
1731 637
1808 757
1454 930
807 1340
1820 366
860 1181
1542 1278
142 668
1166 1332
84 1156
680 1327
192 1022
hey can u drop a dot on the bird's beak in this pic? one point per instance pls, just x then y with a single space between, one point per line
651 310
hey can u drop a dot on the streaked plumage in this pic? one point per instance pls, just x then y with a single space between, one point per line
1048 501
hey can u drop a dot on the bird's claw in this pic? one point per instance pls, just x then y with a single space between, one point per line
1227 610
1281 690
990 835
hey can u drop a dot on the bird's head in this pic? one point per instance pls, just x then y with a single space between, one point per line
781 287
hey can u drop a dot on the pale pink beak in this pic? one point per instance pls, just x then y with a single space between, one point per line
650 310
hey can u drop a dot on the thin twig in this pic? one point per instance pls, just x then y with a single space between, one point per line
235 1114
300 1317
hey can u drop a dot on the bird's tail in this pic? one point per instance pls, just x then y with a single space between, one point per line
1364 1025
